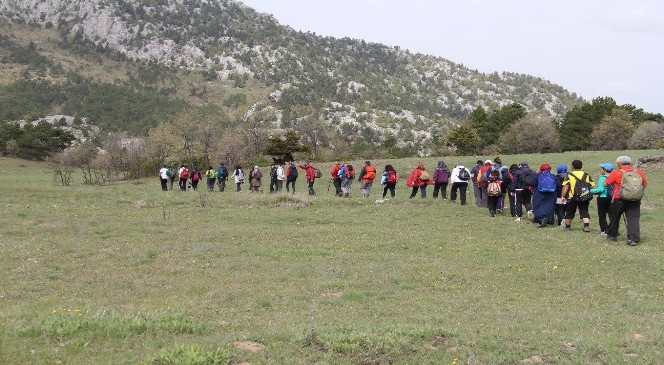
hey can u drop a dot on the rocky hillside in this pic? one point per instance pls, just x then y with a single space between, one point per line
361 90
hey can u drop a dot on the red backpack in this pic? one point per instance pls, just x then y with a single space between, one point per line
392 177
184 174
196 177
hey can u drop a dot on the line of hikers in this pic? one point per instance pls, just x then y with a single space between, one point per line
548 199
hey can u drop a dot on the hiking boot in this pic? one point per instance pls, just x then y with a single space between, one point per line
518 219
603 234
586 229
632 243
612 239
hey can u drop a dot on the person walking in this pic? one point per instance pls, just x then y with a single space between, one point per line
291 177
367 178
483 181
281 177
238 176
335 178
504 174
273 177
183 176
418 180
390 179
311 174
171 178
222 177
525 180
211 175
493 192
510 188
460 179
163 178
255 178
544 197
603 193
561 202
346 174
628 186
474 175
576 189
440 180
196 177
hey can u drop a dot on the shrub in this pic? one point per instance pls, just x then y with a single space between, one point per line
533 134
648 135
613 132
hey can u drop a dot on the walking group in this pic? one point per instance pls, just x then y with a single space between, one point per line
548 198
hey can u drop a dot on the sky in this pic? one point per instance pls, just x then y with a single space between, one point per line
591 47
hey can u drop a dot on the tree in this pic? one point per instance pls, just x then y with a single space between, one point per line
500 120
479 120
285 146
578 124
613 132
533 134
648 135
465 139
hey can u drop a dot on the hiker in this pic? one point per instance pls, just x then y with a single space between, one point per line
291 177
183 176
477 192
603 193
281 177
510 187
525 180
483 181
273 177
418 180
460 179
440 180
311 174
544 197
628 186
222 177
238 175
576 189
494 191
504 172
211 175
561 202
171 178
367 177
346 174
255 178
389 180
196 177
164 177
335 178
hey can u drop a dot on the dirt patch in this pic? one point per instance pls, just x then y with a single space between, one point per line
534 360
332 295
139 204
249 346
568 347
638 337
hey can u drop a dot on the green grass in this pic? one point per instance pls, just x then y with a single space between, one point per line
158 279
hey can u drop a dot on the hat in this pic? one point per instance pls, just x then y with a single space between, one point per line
607 166
624 160
545 167
488 162
562 169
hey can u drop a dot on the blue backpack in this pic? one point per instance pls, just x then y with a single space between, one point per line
546 183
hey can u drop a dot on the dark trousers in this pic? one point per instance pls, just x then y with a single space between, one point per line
523 199
194 184
210 184
442 188
291 184
478 195
273 185
492 204
238 187
560 211
183 184
391 188
222 184
164 184
461 189
512 199
603 207
337 186
280 186
311 188
422 189
632 211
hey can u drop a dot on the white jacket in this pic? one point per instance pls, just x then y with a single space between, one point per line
239 176
455 174
280 173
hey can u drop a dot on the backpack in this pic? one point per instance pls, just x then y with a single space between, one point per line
464 175
632 186
222 172
581 191
317 173
169 173
494 188
184 174
442 176
424 176
392 177
530 178
196 176
370 173
546 183
292 172
273 172
350 172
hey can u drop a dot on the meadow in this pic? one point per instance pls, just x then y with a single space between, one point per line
127 274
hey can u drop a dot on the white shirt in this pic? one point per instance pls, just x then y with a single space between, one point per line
280 173
239 177
163 173
455 175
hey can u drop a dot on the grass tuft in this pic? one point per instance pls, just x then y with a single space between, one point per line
192 355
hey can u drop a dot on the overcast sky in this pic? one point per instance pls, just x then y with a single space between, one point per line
591 47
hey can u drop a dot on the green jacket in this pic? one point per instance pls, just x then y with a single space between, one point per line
601 190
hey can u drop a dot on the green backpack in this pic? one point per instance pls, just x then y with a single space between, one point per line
632 186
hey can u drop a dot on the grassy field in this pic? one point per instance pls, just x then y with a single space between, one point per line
126 274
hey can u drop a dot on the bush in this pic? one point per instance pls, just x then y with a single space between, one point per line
649 135
613 132
533 134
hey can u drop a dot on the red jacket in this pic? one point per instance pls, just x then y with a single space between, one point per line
369 174
309 171
334 171
615 180
414 179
